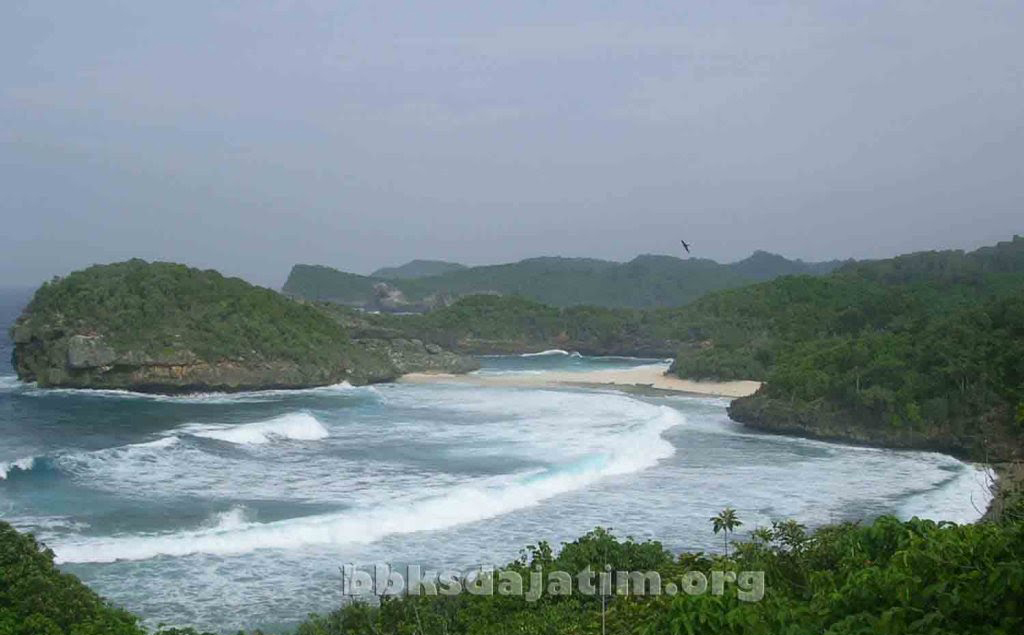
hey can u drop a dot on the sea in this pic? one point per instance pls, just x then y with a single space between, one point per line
230 511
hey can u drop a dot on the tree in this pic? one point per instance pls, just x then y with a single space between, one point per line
725 521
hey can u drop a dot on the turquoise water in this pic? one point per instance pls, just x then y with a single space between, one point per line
230 511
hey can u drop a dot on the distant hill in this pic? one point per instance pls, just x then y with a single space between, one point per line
417 269
762 265
647 281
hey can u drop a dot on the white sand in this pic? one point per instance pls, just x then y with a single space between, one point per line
652 376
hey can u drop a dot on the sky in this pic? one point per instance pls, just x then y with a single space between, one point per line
248 136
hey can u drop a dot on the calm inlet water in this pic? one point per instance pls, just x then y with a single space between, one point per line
230 511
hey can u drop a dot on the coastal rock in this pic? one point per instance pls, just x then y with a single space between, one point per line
413 356
89 351
990 440
388 298
86 361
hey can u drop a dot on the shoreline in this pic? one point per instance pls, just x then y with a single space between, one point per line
1007 480
643 377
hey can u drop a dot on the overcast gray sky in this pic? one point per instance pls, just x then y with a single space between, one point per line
248 136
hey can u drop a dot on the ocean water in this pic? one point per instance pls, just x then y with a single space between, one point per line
238 511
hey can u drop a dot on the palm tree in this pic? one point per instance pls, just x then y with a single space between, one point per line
725 521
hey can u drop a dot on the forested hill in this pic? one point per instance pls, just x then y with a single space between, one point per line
645 281
417 269
924 350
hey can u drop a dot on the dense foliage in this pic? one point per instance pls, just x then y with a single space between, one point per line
938 369
513 324
646 281
887 577
928 346
156 307
36 599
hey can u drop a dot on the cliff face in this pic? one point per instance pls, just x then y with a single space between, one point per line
54 357
991 438
86 361
170 329
415 356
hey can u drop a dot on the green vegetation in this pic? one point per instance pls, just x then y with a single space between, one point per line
646 281
512 324
317 283
36 599
162 307
417 269
887 577
726 522
925 350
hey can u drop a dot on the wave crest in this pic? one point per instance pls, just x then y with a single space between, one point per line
23 464
297 426
548 353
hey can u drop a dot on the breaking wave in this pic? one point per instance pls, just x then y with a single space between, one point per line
23 464
635 447
297 426
547 353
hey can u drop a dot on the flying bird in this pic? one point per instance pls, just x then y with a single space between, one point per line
685 246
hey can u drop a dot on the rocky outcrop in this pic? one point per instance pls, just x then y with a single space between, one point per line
413 356
87 361
89 351
988 439
388 299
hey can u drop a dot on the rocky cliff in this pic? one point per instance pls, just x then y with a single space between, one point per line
989 438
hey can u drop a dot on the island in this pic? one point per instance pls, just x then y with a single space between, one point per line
169 328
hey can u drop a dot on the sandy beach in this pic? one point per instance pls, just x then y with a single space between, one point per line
650 377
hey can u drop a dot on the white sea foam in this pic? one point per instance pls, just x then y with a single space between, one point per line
232 519
118 463
249 396
547 353
972 484
41 525
636 446
659 366
298 426
24 464
10 383
495 372
156 444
